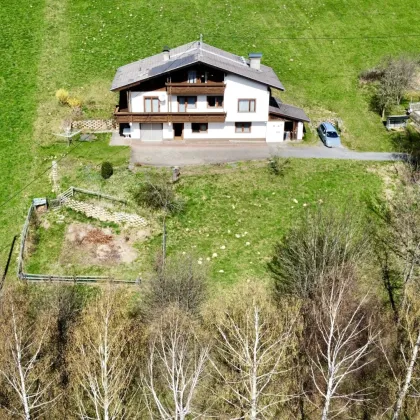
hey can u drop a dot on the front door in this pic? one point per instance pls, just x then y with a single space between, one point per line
178 131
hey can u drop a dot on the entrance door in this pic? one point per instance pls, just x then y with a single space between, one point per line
289 130
178 131
151 132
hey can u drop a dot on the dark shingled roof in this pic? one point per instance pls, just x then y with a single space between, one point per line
288 111
186 55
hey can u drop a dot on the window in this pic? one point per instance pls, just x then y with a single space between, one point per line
246 105
204 77
186 102
199 127
192 76
191 101
151 104
215 101
242 127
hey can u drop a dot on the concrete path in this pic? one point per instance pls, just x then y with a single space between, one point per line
200 154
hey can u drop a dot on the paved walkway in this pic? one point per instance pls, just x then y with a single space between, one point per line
200 154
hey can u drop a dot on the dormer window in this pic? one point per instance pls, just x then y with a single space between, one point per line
204 77
192 76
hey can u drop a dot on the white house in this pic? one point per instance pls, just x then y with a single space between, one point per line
198 92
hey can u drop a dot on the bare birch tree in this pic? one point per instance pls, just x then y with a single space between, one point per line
344 344
325 239
102 361
406 383
23 365
175 368
400 237
180 281
397 76
251 346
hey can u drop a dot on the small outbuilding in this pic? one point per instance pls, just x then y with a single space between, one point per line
396 122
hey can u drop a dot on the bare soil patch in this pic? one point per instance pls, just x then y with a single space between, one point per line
86 244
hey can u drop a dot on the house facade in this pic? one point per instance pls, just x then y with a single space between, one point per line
198 92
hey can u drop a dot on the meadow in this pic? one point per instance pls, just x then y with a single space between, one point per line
316 48
233 214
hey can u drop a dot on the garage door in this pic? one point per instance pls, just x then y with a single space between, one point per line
151 132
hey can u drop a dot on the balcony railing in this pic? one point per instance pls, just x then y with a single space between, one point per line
214 88
124 116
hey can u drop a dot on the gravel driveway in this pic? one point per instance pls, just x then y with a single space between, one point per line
162 154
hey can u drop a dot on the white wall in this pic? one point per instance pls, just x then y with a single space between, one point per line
226 131
275 131
137 100
238 87
135 130
300 130
168 131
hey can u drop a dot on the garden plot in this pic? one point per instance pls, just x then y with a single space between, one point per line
65 242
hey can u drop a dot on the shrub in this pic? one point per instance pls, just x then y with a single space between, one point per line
325 241
62 96
74 102
107 170
157 194
278 165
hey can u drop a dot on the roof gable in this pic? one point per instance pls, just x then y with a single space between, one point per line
186 55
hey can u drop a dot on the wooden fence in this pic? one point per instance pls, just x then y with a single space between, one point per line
96 126
74 279
23 238
97 194
55 278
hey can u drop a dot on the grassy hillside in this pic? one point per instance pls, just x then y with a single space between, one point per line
335 41
20 33
237 211
316 48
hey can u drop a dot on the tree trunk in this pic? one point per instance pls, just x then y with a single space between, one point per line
164 241
403 392
327 402
254 386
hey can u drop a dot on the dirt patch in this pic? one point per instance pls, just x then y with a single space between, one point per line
89 245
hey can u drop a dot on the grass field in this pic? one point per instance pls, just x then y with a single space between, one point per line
235 211
317 49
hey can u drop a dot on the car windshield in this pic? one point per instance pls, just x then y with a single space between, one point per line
332 134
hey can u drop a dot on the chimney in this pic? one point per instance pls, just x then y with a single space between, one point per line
165 53
255 60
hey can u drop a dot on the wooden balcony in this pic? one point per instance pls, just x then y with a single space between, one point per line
213 88
123 116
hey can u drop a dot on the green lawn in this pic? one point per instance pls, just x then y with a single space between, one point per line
235 211
78 44
249 202
20 34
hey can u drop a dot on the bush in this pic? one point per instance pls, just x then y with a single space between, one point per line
179 282
278 165
157 194
62 96
107 170
74 102
326 241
